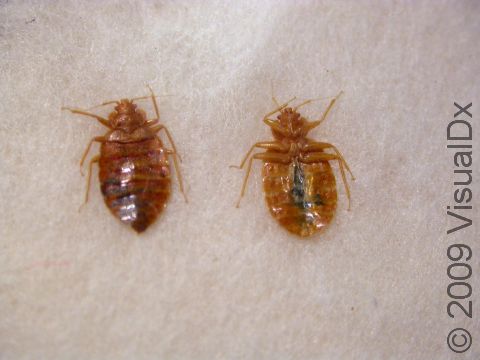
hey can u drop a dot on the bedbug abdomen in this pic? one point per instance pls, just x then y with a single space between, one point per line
135 180
302 197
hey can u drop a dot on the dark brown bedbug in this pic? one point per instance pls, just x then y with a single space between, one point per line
298 180
134 168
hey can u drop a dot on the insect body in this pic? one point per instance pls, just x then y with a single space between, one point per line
298 180
134 167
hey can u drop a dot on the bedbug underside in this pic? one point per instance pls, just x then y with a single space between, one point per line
299 183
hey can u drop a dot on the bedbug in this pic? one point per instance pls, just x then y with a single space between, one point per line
134 170
298 180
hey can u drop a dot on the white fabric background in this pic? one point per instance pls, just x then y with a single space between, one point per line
208 281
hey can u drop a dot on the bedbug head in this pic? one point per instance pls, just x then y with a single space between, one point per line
125 106
126 116
290 124
289 118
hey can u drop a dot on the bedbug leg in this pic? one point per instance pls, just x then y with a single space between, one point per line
318 146
101 120
274 125
271 157
269 145
179 174
160 127
157 128
90 167
85 153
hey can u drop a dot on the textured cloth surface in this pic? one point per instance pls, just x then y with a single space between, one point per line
207 280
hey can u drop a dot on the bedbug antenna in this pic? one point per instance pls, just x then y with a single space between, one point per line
150 96
280 108
105 103
133 99
273 94
324 116
318 99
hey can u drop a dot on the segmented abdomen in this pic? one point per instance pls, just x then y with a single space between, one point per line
135 180
302 197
